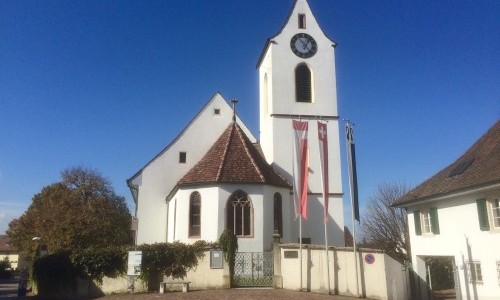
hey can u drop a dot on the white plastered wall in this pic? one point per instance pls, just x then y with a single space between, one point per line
461 238
157 179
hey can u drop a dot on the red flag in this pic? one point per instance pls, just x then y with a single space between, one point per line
323 154
300 168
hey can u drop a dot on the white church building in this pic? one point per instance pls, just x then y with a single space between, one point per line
216 174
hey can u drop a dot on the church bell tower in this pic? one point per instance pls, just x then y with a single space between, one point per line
297 81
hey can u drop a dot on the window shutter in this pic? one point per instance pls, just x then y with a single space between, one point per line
434 220
482 213
418 227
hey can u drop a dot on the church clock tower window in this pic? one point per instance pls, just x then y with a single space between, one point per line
303 83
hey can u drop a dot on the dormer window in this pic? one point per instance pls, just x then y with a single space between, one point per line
302 21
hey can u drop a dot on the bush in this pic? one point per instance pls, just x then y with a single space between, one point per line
5 270
55 276
95 263
170 259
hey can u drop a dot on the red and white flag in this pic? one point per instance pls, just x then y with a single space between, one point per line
300 168
323 155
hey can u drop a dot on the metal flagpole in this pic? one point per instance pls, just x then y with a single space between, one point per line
300 245
323 150
351 193
354 249
327 259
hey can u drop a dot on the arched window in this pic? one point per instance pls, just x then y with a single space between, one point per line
266 95
303 83
240 214
278 214
195 215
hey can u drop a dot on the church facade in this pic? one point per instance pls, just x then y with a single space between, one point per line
201 184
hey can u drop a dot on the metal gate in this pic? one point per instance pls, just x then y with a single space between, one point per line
253 269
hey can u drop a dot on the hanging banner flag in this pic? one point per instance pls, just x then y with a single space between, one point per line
300 168
323 155
351 160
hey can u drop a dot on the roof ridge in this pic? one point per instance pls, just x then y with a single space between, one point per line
252 158
224 155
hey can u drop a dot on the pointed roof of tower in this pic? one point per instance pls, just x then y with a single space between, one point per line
233 159
290 14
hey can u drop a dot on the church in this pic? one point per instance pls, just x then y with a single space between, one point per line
217 175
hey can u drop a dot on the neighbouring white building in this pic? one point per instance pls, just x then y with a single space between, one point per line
215 174
455 216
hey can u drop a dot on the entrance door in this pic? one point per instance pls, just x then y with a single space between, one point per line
441 276
253 269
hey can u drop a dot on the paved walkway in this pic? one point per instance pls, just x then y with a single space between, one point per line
231 294
8 290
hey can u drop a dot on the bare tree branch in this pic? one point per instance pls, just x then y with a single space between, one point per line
386 227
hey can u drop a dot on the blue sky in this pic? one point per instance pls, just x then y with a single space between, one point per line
108 84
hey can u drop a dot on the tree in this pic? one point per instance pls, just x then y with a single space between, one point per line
82 211
385 227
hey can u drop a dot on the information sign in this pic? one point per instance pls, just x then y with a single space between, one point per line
134 263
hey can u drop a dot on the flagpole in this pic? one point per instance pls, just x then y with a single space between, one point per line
351 193
327 259
323 150
354 248
300 247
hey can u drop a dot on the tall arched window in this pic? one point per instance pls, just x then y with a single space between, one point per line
266 95
240 214
303 83
195 215
278 214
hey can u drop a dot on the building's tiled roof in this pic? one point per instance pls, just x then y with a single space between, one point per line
478 167
233 159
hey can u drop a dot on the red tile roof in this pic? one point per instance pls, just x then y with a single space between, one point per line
233 159
478 167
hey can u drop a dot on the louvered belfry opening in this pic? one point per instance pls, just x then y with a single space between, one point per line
303 83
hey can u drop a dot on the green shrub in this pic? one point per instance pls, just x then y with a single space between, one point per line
55 276
95 263
170 259
229 244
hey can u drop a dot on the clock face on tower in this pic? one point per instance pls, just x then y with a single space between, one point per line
303 45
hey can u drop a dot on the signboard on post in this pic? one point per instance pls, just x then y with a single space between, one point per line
134 263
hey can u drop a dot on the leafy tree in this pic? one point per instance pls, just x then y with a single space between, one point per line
5 271
80 212
386 227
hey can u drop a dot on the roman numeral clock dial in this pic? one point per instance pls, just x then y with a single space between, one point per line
303 45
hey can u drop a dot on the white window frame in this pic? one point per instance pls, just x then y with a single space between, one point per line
475 271
495 213
426 222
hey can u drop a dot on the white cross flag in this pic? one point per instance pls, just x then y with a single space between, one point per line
323 155
300 168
